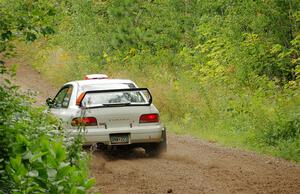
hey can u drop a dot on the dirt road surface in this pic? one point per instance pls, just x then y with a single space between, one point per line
190 165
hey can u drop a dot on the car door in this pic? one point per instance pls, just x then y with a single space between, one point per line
61 102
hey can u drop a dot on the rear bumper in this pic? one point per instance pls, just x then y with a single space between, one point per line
141 134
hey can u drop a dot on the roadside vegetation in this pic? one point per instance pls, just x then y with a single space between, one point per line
36 154
225 71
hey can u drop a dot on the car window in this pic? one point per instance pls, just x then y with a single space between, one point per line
122 97
113 97
62 99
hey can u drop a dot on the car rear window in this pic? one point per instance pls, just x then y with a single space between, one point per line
117 98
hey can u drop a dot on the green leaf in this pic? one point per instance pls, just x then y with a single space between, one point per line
73 190
89 183
64 171
60 153
16 163
37 156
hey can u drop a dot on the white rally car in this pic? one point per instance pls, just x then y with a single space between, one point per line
115 112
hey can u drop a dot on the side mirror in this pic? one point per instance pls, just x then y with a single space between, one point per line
49 102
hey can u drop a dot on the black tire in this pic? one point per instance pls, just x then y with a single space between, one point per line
86 147
155 149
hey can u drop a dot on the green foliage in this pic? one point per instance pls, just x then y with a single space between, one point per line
36 154
25 20
221 70
220 34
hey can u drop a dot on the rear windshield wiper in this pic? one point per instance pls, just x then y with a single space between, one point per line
117 104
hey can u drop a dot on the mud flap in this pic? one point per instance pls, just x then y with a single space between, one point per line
163 143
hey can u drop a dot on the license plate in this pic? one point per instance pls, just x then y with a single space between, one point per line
119 138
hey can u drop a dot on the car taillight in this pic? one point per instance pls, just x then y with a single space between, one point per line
84 121
149 118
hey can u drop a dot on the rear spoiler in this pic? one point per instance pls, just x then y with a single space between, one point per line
82 95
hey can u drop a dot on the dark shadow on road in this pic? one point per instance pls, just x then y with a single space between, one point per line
119 154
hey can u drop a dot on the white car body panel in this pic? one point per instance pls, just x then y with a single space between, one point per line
110 120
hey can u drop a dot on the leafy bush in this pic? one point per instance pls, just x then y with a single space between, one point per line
36 156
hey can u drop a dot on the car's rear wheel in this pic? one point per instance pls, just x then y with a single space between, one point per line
155 149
